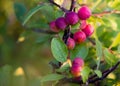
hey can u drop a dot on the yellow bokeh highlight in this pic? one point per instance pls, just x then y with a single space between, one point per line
111 76
19 71
21 39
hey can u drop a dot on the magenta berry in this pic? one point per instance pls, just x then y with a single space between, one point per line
78 61
70 43
79 37
77 66
61 23
84 13
53 27
83 24
71 18
88 30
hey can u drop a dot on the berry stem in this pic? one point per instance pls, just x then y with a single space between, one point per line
73 2
62 8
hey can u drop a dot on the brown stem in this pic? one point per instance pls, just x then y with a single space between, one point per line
106 12
72 5
62 8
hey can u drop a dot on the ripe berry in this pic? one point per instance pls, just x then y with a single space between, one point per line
79 37
75 70
61 23
83 24
70 43
53 27
71 18
84 13
78 61
77 66
88 30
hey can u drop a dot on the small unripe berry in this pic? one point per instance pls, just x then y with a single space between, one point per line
77 66
83 24
71 18
79 37
53 27
84 13
70 43
61 23
88 30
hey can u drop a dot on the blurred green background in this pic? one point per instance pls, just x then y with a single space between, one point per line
24 54
24 58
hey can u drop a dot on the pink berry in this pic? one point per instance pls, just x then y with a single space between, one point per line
78 61
84 13
77 66
61 23
88 30
70 43
53 27
83 24
75 70
79 37
71 18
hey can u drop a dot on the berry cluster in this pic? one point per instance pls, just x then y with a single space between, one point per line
71 18
85 30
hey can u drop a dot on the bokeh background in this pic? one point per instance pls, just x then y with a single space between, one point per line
25 54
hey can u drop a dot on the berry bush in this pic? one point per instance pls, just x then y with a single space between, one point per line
84 36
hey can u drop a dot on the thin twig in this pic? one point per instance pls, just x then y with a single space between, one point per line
42 31
73 2
62 8
92 41
106 13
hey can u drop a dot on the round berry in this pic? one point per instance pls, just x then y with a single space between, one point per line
53 27
77 66
75 70
70 43
88 30
79 37
61 23
84 13
78 61
83 24
71 18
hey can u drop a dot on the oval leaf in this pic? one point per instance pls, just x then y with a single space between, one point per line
32 12
98 52
59 50
85 73
80 51
99 73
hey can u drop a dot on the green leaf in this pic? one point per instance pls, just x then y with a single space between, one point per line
98 52
109 57
116 41
59 50
80 51
99 73
52 77
85 73
20 10
32 12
